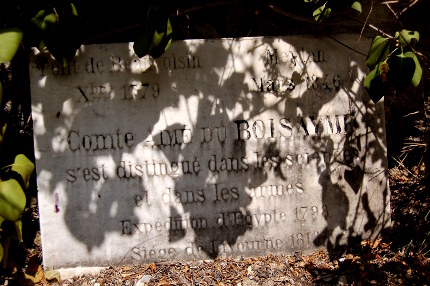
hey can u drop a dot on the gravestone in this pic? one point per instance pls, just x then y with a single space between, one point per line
227 147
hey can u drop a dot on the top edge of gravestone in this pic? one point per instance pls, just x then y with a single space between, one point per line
292 36
335 37
305 35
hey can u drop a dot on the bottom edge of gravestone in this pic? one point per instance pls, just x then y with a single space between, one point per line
68 273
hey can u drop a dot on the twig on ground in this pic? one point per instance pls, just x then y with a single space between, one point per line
401 164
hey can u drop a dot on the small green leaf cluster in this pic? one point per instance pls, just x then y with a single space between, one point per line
14 179
10 39
392 64
58 28
322 9
156 33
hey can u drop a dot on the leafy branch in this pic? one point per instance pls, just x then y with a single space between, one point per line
392 60
393 64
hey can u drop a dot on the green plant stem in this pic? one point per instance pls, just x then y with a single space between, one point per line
389 55
5 251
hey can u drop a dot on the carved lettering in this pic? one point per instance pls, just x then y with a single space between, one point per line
269 245
180 62
310 212
223 194
268 191
47 66
216 164
302 239
98 142
144 254
238 218
93 66
183 197
135 90
173 223
87 174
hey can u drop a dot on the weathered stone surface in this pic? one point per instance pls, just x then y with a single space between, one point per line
220 147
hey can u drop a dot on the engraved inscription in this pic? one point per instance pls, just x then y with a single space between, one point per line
235 147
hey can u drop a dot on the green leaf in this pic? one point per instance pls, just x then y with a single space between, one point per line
357 6
12 197
321 13
39 18
158 37
49 22
2 132
376 82
160 46
418 72
142 43
378 51
60 31
74 11
156 32
24 167
12 200
407 37
52 276
10 39
1 252
402 69
370 77
18 228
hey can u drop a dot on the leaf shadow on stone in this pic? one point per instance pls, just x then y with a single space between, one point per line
342 195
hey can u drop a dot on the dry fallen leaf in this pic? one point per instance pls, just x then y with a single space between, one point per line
125 275
165 282
349 256
52 275
27 279
385 245
150 266
376 243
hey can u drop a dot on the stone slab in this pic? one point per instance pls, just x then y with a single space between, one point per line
227 147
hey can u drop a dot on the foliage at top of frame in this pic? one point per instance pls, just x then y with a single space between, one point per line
392 64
